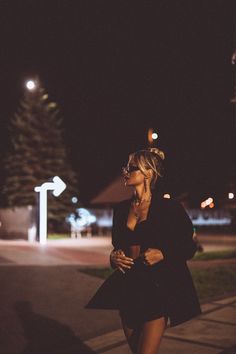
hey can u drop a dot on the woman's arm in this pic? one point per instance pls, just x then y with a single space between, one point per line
115 234
118 258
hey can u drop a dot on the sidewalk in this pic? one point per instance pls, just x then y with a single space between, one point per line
83 252
42 300
212 332
92 251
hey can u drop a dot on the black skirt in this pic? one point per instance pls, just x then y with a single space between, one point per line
136 295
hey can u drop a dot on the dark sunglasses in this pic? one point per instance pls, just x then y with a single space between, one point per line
129 169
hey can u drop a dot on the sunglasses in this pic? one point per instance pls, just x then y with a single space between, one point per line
129 169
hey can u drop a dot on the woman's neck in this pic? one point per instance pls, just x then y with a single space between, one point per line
140 194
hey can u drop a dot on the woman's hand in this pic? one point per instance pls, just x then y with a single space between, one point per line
152 256
120 261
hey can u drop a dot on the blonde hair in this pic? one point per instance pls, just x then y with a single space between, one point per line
150 158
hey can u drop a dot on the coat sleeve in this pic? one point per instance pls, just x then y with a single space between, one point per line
180 245
115 231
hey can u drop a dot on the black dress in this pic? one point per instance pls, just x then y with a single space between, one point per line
143 298
166 288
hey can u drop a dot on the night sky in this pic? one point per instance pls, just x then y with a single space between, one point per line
116 68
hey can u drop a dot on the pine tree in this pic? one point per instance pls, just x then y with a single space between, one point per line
37 154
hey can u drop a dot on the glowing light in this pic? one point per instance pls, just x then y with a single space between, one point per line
154 136
203 205
85 217
80 221
31 85
57 186
231 195
74 200
207 202
52 104
166 195
150 138
210 217
211 205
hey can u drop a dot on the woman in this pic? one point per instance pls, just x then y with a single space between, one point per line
152 238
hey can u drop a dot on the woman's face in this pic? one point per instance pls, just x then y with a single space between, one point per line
132 175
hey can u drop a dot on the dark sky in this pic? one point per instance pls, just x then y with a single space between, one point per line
117 68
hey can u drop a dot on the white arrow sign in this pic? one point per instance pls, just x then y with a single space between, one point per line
57 186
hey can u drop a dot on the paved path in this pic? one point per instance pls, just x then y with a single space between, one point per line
84 252
42 300
92 251
212 332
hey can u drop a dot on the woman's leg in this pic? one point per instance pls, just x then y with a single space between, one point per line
151 335
132 335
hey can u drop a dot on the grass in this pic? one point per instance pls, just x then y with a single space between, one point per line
58 236
206 256
214 282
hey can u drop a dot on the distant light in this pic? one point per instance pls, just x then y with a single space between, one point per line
74 200
52 104
81 219
203 205
166 195
31 85
154 136
230 195
209 200
211 205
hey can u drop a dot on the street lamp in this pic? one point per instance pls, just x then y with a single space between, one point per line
151 136
31 85
154 136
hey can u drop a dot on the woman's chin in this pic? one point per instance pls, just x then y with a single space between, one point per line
128 184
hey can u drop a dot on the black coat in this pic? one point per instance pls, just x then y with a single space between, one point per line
168 228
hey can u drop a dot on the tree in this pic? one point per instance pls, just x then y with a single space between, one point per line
37 154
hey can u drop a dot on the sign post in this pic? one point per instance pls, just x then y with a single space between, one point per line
57 186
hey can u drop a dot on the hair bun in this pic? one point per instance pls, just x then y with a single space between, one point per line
158 152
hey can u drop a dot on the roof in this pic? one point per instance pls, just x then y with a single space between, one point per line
116 192
113 193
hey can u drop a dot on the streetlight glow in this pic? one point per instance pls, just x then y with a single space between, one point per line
30 84
154 136
74 200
